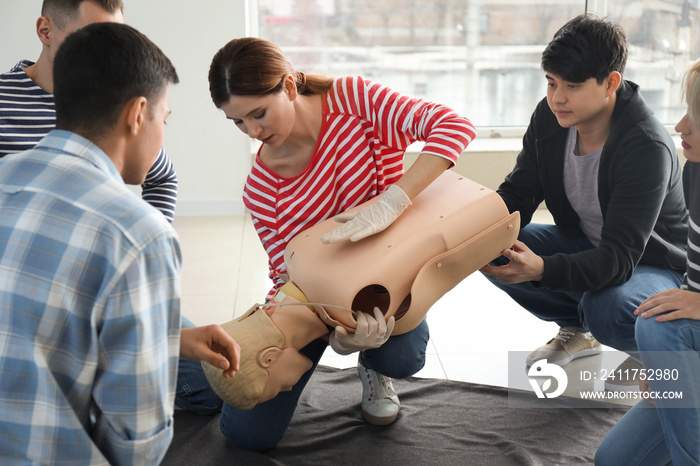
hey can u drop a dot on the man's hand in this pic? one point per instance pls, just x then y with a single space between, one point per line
671 305
524 266
213 345
371 332
371 219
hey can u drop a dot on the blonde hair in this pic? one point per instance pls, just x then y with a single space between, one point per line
254 332
692 92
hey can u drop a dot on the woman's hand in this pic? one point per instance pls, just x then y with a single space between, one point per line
371 332
378 216
671 305
213 345
371 219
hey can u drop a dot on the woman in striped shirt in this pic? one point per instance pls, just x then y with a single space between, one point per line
329 145
668 335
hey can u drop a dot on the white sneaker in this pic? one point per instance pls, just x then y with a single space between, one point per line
566 346
380 403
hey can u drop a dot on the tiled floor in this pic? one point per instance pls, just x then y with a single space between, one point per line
473 327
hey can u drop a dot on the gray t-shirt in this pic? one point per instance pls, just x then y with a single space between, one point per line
581 187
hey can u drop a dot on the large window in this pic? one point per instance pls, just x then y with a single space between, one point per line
481 57
663 38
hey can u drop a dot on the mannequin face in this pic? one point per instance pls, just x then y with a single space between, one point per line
285 368
270 362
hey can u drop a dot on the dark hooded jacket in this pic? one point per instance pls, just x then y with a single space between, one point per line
640 192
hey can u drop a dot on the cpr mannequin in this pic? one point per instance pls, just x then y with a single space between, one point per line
453 228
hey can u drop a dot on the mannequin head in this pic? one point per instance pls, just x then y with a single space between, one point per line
453 228
270 338
260 342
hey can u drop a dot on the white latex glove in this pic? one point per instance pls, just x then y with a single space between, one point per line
371 219
371 332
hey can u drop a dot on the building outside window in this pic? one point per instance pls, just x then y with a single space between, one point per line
480 57
663 38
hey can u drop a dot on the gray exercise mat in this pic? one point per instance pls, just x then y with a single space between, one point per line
441 422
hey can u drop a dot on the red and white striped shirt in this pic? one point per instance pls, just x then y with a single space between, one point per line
365 132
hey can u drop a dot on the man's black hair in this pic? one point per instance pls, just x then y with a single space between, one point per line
99 69
586 47
63 12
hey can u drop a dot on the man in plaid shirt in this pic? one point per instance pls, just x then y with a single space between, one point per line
89 273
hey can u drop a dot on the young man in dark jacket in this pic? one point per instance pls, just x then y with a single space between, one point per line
609 174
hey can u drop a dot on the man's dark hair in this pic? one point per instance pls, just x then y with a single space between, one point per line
586 47
99 69
63 12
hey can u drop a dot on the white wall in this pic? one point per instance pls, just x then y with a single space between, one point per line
211 156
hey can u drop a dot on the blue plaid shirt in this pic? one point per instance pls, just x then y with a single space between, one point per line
89 311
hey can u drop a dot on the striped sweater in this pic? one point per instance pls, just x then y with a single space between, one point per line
27 114
365 132
691 187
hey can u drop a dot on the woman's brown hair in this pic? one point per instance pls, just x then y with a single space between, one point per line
252 66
